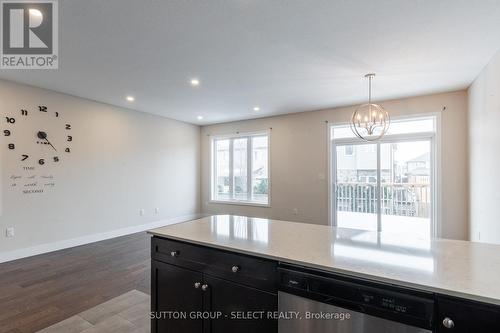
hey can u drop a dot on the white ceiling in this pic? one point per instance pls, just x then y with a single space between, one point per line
282 55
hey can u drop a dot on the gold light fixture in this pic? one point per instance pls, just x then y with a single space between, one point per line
370 121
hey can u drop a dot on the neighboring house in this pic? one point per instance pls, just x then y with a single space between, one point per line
405 186
419 169
358 164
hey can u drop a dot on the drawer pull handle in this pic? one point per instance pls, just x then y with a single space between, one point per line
448 323
235 269
174 253
197 285
204 287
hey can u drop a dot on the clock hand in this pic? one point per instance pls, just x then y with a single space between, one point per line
50 144
42 135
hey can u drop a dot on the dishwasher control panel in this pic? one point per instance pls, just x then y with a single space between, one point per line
394 302
377 299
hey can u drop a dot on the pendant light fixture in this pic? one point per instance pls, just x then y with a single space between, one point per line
370 121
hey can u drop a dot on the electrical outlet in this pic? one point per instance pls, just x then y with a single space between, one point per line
9 232
295 211
141 212
157 210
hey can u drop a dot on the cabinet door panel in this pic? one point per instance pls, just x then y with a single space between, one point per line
172 292
229 297
467 316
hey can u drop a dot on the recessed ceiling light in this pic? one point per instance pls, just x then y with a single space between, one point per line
256 108
130 98
195 82
200 117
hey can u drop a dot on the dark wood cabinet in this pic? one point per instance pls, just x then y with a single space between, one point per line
247 270
174 294
466 316
236 302
192 284
192 281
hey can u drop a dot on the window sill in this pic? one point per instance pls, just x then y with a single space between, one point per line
240 203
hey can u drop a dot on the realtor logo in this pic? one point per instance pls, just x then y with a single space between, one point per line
29 34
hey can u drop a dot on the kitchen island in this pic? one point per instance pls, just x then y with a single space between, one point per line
223 263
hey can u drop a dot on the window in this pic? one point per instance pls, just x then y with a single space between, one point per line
349 150
387 185
241 169
398 126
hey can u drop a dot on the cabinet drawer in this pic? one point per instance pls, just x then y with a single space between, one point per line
247 270
251 271
179 253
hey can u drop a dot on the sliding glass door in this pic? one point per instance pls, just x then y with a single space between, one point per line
385 186
356 186
405 192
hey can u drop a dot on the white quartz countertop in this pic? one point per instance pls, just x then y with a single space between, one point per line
459 268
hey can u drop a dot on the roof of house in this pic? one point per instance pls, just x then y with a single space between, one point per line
421 158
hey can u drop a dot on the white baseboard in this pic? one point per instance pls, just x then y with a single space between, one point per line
64 244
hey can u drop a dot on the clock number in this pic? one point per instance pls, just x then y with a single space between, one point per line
24 112
67 150
10 120
68 126
57 114
25 157
70 138
42 108
56 159
6 133
41 161
12 146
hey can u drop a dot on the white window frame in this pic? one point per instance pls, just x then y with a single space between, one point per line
213 169
435 142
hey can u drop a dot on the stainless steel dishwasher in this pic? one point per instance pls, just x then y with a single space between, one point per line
317 302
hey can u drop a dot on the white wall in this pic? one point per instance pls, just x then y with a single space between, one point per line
121 161
484 147
299 159
124 160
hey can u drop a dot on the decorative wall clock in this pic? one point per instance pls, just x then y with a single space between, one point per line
39 139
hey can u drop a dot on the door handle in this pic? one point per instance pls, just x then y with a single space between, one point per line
448 323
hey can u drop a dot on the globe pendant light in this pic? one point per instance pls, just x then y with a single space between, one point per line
370 121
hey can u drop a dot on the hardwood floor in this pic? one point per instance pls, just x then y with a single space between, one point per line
39 291
127 313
